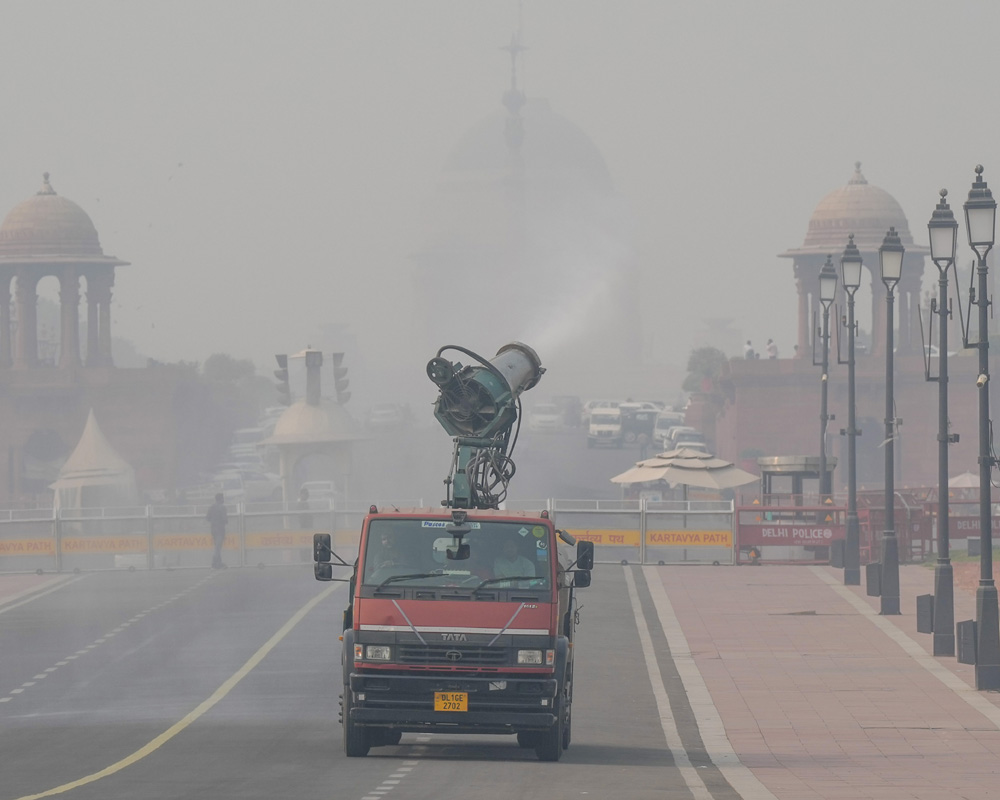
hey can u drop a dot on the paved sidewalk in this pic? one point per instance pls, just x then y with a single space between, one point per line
821 698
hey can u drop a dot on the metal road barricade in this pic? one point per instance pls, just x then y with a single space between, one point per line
688 532
264 534
614 526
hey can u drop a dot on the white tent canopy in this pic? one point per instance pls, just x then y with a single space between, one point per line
967 480
95 474
687 467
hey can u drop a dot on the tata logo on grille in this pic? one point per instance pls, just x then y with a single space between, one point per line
453 655
453 637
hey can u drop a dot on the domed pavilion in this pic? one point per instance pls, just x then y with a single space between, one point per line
867 212
51 235
527 240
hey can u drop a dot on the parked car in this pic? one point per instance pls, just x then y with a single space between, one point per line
686 438
665 420
591 405
384 416
545 417
605 428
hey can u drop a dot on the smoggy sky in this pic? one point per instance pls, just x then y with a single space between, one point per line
263 166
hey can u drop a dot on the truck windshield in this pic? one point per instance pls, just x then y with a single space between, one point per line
605 419
414 552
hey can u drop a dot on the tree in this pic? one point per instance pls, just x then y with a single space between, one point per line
704 367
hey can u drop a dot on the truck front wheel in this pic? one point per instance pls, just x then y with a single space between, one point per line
356 739
550 743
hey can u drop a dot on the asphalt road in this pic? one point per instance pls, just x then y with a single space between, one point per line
224 684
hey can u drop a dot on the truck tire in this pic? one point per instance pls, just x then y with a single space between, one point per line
356 740
551 742
528 739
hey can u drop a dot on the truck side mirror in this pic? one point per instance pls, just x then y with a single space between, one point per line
585 556
321 549
323 572
581 578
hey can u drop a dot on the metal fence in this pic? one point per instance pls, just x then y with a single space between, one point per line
264 534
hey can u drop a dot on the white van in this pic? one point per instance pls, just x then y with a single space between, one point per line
605 427
665 420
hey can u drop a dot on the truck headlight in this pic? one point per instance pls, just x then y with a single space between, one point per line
532 657
378 652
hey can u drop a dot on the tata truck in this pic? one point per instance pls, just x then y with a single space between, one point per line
462 618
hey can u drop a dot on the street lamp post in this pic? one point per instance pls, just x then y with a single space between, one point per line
827 294
890 256
850 266
980 220
943 231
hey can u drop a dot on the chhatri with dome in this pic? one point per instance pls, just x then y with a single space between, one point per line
158 418
768 407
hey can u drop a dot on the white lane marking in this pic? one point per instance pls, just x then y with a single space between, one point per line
713 732
93 645
60 585
692 778
198 712
970 695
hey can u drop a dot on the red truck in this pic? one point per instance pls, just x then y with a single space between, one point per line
460 622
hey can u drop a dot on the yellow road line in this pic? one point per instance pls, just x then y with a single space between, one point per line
217 695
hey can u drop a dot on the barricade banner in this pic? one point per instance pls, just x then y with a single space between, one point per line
789 534
27 547
688 538
615 538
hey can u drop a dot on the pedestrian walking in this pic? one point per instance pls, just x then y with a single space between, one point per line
772 349
217 519
748 350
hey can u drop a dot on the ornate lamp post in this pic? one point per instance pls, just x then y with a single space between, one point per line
980 220
850 267
943 230
827 294
890 256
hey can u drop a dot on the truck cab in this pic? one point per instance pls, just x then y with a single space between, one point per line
460 622
605 428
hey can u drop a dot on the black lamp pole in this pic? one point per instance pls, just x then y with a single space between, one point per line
890 256
850 266
980 219
827 293
943 230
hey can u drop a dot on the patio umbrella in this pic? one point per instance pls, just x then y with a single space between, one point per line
967 480
687 467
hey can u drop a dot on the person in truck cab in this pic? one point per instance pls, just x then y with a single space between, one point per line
384 559
511 564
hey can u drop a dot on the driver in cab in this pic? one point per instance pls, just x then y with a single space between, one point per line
511 564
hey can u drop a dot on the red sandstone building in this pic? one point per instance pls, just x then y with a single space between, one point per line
772 407
157 418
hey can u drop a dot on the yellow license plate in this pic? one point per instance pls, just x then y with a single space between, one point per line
451 701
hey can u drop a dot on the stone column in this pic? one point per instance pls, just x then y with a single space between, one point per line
5 352
93 356
803 331
104 333
26 354
878 311
69 319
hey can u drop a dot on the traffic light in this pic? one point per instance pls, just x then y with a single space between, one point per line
340 381
284 389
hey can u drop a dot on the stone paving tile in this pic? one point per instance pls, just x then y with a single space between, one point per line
818 701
